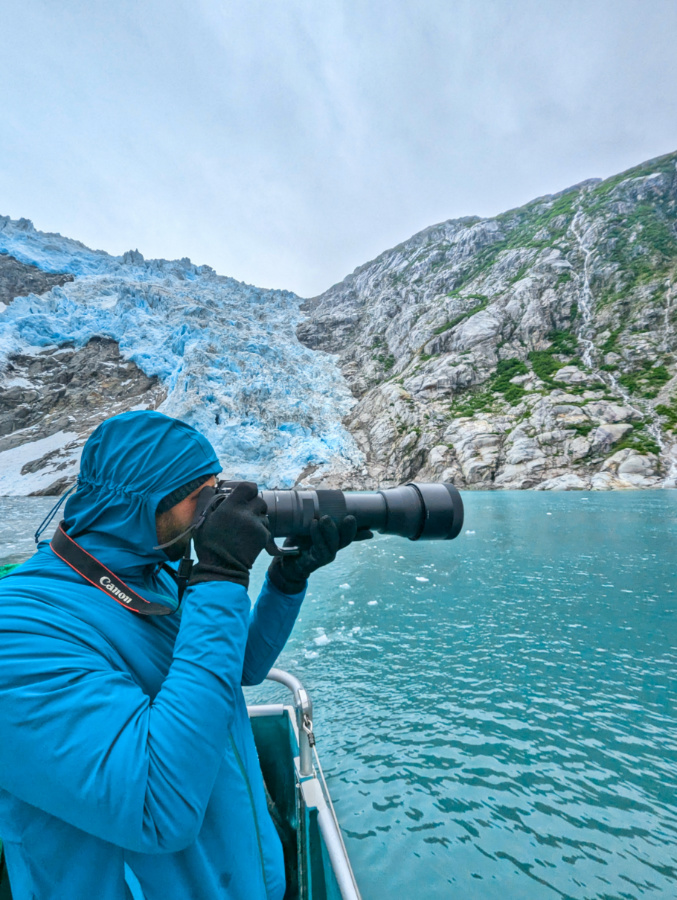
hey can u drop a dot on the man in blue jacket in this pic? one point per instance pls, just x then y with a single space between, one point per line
127 763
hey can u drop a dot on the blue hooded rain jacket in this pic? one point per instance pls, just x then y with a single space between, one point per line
127 762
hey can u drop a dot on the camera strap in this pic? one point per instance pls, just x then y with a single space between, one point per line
93 571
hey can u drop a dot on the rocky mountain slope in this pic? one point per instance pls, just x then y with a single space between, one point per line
533 350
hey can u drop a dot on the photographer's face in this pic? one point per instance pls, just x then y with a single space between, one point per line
176 520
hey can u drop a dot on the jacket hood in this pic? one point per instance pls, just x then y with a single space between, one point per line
129 463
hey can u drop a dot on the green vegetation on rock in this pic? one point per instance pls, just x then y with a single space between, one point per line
545 364
647 381
638 440
386 361
670 412
532 227
563 342
609 344
466 315
643 243
537 217
500 383
472 403
599 195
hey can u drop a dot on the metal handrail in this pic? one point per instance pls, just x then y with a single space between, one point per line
304 717
326 819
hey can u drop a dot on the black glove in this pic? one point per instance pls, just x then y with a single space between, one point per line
289 574
231 537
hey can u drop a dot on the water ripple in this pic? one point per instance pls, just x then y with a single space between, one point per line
507 728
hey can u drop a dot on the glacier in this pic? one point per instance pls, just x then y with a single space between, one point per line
226 352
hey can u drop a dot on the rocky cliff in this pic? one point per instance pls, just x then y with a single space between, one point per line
533 350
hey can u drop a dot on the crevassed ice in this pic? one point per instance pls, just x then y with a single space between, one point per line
226 351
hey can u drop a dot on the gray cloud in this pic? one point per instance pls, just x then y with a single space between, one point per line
285 144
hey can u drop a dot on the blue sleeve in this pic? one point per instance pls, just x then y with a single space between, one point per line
83 742
270 624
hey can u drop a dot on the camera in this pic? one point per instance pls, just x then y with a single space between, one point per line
427 512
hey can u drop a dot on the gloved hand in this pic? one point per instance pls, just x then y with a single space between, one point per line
231 537
289 574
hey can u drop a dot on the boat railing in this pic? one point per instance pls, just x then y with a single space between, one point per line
312 777
303 708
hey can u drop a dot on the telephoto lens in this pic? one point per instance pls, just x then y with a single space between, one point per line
426 512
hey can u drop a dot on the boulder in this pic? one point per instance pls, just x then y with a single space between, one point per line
476 330
523 449
568 414
606 436
629 469
579 448
568 482
574 375
604 412
635 464
605 481
612 463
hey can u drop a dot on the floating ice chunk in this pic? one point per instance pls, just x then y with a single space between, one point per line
422 578
321 640
351 603
470 532
344 587
372 602
311 654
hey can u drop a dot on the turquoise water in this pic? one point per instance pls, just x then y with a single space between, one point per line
496 715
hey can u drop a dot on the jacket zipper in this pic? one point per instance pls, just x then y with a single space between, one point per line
251 800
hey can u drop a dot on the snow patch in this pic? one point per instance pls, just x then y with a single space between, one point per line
65 462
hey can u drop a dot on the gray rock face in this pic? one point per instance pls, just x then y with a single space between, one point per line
66 391
519 351
18 279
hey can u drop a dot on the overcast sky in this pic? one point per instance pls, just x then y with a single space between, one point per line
285 142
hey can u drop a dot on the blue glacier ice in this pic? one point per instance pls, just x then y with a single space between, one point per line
227 352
